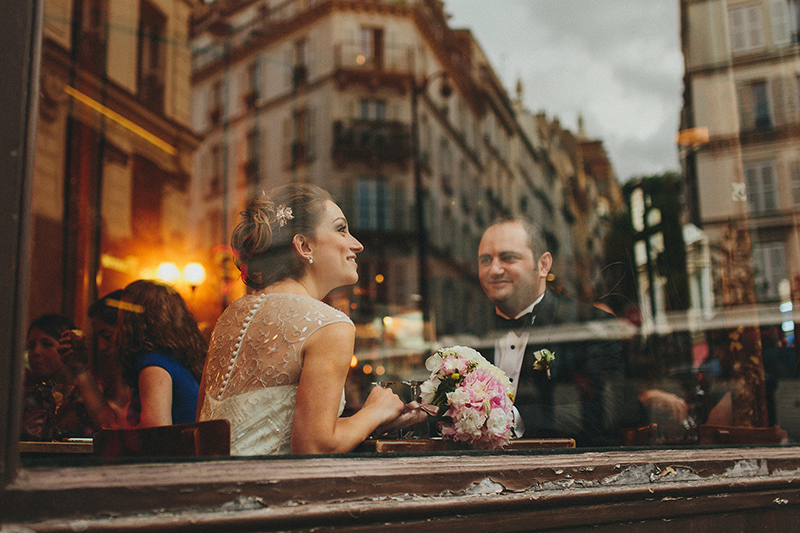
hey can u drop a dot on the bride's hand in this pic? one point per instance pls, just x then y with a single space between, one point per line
410 415
385 403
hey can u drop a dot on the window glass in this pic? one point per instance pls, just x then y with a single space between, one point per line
662 176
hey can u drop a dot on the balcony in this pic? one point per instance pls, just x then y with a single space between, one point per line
371 142
388 68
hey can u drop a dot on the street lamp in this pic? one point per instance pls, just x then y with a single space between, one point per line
418 88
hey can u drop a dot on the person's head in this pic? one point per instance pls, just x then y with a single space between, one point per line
299 231
43 334
513 264
103 314
154 317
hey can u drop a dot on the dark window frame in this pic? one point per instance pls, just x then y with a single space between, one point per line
719 488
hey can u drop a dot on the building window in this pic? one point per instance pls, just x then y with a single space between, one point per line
747 29
251 163
89 34
785 100
251 95
152 56
300 71
215 103
761 191
372 204
794 20
215 166
298 135
794 177
769 270
754 108
372 109
371 47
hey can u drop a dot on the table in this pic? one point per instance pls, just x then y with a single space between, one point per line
32 449
440 445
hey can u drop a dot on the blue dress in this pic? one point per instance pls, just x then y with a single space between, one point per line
184 386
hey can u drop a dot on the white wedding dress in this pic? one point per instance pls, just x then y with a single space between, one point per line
253 368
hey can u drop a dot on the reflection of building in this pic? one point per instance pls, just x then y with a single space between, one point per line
113 151
741 83
321 91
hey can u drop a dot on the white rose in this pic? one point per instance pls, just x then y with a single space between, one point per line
458 397
427 390
434 362
470 422
497 423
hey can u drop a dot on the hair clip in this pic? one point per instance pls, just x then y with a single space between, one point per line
283 214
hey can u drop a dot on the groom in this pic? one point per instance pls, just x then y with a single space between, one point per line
577 397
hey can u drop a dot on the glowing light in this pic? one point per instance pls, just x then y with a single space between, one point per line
168 272
380 370
379 278
786 307
194 274
353 362
360 59
353 305
388 321
368 369
551 277
787 326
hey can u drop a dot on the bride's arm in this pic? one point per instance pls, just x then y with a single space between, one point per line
317 427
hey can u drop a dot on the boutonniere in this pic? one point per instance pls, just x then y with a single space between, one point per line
543 360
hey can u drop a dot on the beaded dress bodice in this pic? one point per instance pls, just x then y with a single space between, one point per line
253 367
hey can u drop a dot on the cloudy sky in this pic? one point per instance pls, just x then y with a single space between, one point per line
617 62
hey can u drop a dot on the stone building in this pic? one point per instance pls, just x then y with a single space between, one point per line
740 140
113 151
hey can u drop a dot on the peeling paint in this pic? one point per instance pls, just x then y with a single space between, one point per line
486 486
634 475
747 468
250 503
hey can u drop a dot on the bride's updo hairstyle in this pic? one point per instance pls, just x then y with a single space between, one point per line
263 236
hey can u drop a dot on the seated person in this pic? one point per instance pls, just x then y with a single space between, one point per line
161 353
100 383
578 396
52 408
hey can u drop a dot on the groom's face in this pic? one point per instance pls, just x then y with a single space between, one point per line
508 271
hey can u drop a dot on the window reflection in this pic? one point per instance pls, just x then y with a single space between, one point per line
157 120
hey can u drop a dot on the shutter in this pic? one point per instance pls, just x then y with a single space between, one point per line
737 30
755 27
794 177
746 114
311 117
781 31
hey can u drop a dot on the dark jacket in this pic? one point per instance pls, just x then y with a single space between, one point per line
583 392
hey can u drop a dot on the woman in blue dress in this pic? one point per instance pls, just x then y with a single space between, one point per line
162 352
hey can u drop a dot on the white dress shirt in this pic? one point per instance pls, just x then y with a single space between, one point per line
509 350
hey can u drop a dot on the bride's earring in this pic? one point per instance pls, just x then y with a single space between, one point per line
310 260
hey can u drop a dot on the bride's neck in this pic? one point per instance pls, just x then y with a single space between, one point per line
292 286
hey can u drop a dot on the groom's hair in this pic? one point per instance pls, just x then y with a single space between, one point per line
536 240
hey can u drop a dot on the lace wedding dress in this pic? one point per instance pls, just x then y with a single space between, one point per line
254 364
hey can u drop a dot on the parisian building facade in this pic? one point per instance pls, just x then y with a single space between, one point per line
403 119
741 142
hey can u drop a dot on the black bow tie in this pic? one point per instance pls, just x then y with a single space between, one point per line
525 321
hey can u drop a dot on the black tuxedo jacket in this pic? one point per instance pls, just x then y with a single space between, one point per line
584 389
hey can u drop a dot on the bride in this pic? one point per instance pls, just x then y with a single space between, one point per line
279 356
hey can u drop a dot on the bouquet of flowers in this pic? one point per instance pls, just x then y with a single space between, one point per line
473 397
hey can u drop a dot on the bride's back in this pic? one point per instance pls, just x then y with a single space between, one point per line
254 364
